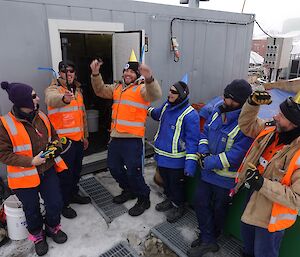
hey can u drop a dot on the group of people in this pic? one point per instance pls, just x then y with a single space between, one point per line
234 149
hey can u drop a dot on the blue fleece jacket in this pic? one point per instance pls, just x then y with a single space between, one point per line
176 141
227 146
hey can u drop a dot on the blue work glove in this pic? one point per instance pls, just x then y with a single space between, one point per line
253 179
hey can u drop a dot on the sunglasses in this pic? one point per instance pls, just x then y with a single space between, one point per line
34 96
67 70
174 92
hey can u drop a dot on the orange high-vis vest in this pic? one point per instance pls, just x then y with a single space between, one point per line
68 120
25 177
129 110
282 217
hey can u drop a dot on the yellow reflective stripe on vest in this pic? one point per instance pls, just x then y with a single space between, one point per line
224 160
21 148
287 216
170 155
11 124
178 129
132 103
161 114
213 118
203 142
69 130
225 173
231 135
64 109
191 156
150 109
129 123
22 173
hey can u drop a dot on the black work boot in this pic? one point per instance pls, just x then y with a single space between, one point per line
164 205
141 205
56 234
40 243
203 249
124 197
68 212
76 198
175 213
196 242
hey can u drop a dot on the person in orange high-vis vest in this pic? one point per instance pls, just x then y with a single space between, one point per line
24 134
131 99
271 172
67 114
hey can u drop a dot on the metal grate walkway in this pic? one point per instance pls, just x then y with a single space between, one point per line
120 250
172 234
101 199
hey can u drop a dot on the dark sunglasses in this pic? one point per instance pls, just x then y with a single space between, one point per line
227 95
174 92
68 70
34 96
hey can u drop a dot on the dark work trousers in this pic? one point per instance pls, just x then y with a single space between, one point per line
173 184
259 242
125 165
49 190
211 206
70 177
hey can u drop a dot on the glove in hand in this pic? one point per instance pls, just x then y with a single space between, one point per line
259 98
202 156
253 179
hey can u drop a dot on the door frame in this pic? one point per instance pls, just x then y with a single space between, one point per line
57 26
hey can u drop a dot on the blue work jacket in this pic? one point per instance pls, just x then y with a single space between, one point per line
177 137
227 146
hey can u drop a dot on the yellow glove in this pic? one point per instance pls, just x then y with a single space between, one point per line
259 98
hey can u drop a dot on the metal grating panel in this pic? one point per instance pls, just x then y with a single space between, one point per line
101 199
120 250
170 234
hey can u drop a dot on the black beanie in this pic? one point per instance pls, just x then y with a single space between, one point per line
182 89
69 63
20 94
133 66
238 90
291 110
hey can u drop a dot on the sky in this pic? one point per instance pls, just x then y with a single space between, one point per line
270 14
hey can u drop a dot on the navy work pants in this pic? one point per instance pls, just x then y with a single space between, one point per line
211 206
173 184
125 162
49 190
259 242
70 177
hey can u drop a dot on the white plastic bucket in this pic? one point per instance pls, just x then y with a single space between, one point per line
15 218
93 120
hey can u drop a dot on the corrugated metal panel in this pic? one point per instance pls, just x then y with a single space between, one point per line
212 54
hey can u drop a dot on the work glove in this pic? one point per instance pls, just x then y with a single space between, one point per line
202 156
259 98
52 150
253 178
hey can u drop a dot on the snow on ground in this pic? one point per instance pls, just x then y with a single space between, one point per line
89 235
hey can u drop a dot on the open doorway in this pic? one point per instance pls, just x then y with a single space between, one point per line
82 49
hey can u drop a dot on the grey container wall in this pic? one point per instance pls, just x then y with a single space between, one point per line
212 54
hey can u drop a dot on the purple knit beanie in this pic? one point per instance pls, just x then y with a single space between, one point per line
20 94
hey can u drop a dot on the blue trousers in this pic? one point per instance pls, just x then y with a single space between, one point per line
50 192
173 184
211 206
259 242
70 177
126 165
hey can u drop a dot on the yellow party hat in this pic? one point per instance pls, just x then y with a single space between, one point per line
132 57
